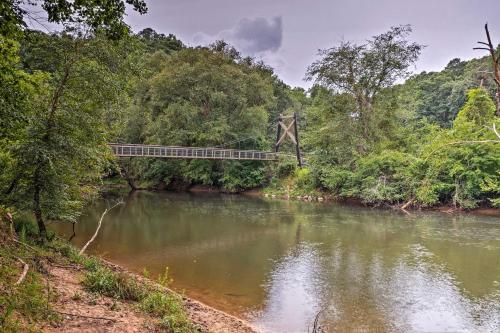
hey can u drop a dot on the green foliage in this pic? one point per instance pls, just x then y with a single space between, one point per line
363 71
27 301
98 15
161 304
159 42
103 280
60 152
22 306
204 98
478 111
461 166
285 168
167 307
438 96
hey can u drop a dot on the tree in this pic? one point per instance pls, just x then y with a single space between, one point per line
96 14
364 70
62 152
155 41
204 98
463 162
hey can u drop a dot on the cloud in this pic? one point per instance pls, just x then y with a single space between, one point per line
252 36
259 34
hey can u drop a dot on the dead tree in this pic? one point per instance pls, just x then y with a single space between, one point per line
488 46
98 227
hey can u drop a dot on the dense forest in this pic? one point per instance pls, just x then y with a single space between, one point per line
369 129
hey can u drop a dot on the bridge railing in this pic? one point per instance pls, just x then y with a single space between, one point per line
129 150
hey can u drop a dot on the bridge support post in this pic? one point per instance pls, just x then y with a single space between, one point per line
288 129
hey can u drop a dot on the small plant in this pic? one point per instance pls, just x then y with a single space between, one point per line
114 306
76 296
104 281
164 279
91 264
168 308
92 299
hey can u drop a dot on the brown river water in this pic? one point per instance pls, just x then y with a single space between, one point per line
280 263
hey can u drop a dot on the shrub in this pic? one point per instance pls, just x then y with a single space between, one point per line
168 308
104 281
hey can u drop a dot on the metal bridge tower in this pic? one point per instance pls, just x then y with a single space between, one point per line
292 126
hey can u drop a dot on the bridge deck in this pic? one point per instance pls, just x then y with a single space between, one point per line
128 150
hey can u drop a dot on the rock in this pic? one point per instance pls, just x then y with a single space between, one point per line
321 199
273 196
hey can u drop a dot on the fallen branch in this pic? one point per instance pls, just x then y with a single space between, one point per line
408 203
98 227
455 143
82 316
316 327
495 130
27 245
23 274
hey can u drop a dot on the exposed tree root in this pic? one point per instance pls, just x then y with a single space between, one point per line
25 271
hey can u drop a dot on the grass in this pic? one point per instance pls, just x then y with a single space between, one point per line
24 307
104 281
164 306
167 308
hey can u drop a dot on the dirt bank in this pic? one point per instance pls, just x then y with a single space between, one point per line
82 311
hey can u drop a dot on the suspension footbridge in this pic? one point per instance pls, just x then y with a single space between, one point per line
217 153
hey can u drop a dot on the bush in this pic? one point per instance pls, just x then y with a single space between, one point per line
285 168
21 306
304 179
168 308
104 281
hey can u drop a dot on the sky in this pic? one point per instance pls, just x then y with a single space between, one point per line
287 34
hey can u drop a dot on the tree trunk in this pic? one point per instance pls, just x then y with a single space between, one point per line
496 64
498 100
42 231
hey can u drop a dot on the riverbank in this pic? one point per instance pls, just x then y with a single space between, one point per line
52 288
307 195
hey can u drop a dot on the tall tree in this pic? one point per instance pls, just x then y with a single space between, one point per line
96 14
62 151
363 70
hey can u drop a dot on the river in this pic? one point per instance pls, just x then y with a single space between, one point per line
280 263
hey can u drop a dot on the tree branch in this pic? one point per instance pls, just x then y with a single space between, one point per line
82 316
454 143
99 226
495 130
23 274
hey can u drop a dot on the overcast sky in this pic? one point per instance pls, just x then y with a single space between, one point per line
286 34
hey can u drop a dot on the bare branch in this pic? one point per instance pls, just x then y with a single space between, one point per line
23 274
484 43
465 142
82 316
99 226
495 130
481 48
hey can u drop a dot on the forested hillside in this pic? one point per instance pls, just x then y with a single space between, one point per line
425 142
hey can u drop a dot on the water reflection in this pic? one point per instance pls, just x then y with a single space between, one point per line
280 263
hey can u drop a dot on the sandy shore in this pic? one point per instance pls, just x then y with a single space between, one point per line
85 312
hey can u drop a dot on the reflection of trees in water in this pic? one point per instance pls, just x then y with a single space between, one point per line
367 276
358 264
